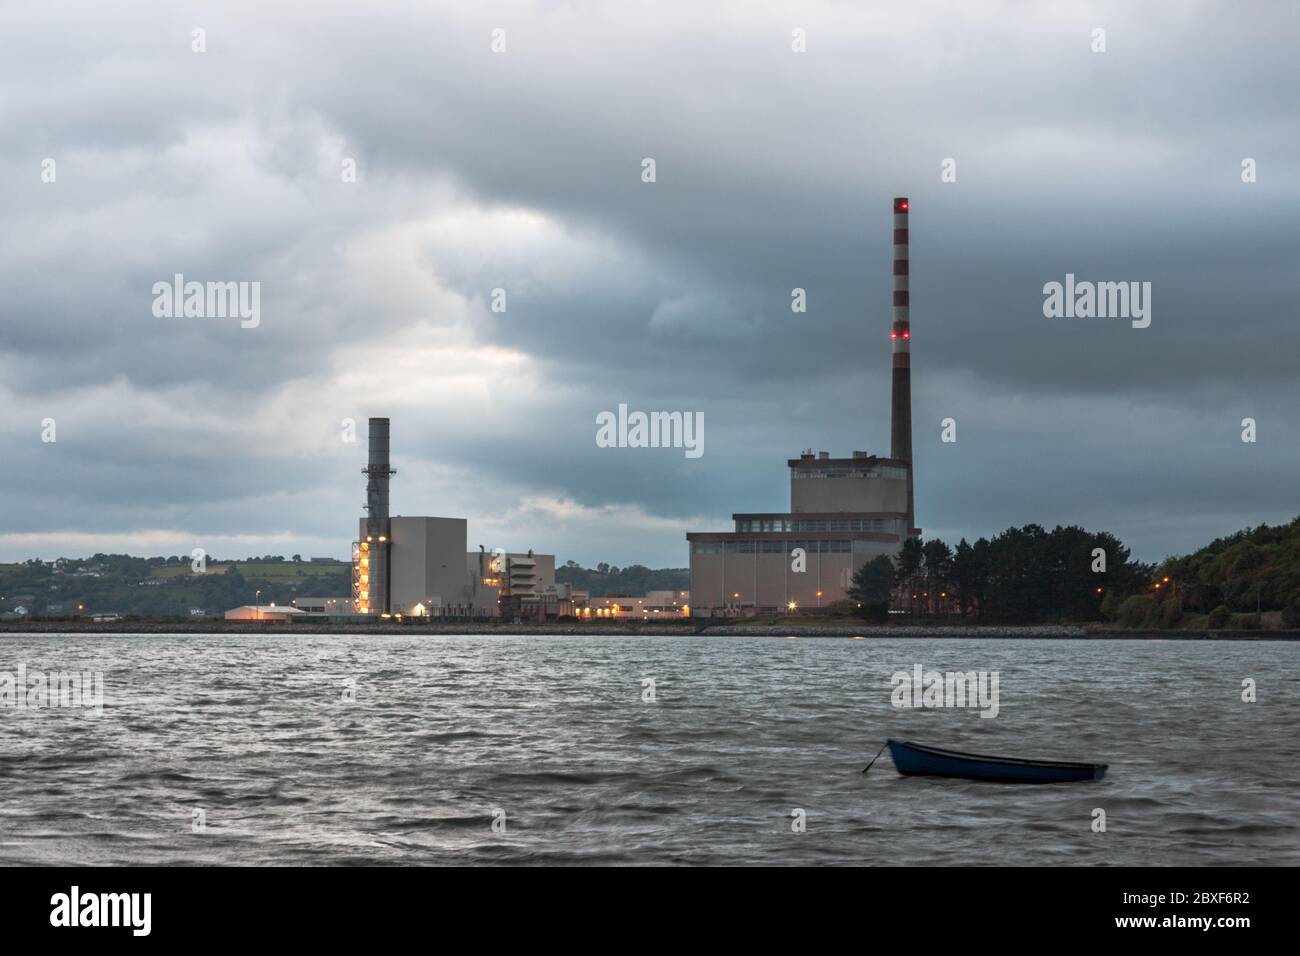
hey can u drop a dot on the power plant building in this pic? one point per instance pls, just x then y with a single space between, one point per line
420 566
843 511
428 570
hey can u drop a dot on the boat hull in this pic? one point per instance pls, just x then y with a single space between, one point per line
916 760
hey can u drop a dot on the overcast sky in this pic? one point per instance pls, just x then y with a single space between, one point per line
522 170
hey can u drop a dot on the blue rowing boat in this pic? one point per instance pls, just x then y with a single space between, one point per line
916 760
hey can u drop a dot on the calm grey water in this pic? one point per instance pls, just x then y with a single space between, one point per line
255 732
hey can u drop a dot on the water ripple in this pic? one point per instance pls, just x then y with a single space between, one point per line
294 748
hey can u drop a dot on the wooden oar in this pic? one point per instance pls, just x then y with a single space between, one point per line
876 757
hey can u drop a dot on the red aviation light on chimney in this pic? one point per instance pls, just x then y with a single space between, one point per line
900 204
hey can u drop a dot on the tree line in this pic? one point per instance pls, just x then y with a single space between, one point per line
1249 573
609 579
1021 576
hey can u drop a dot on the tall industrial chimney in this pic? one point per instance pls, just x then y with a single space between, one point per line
377 473
377 541
900 419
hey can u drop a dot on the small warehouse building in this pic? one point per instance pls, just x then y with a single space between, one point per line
277 613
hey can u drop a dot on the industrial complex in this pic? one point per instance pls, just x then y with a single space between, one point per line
420 566
843 511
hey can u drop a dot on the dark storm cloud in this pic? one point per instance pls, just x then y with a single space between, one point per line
522 171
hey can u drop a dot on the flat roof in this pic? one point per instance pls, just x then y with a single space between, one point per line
788 535
819 515
843 462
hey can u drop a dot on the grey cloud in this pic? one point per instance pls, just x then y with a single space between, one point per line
775 171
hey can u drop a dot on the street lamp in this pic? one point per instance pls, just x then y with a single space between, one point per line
257 605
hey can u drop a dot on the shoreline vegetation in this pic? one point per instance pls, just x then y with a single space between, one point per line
1249 580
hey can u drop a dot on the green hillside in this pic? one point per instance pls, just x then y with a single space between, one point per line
1256 569
163 586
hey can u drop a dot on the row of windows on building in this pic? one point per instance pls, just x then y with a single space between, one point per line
848 471
771 547
787 525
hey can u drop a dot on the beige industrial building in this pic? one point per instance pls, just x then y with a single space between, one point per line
524 574
427 570
651 605
843 512
323 606
430 572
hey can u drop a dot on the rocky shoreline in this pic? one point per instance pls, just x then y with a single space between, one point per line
687 629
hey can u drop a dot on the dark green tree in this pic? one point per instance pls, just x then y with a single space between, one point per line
908 570
938 568
970 575
871 587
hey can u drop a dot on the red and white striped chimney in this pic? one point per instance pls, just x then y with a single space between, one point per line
900 431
